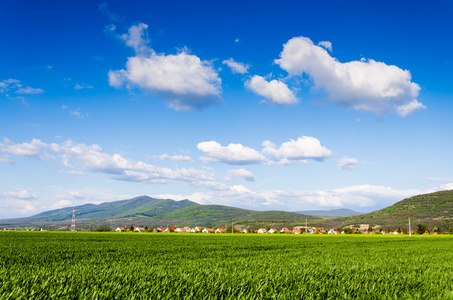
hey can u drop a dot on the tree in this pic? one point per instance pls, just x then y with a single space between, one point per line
103 228
421 228
348 230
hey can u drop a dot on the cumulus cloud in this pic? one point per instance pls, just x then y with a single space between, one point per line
233 154
236 67
365 85
347 163
275 91
32 149
296 151
359 196
289 153
165 156
183 80
240 173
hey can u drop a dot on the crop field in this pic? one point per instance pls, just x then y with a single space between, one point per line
84 265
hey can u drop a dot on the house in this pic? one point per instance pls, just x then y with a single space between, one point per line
139 229
180 230
174 228
296 230
244 231
207 230
285 230
273 230
262 230
120 229
220 230
332 231
197 229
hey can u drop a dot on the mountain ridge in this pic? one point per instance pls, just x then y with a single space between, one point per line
432 209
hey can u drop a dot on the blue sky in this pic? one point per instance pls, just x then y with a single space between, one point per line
288 105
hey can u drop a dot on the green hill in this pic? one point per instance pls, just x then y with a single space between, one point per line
330 213
218 215
434 209
147 211
137 207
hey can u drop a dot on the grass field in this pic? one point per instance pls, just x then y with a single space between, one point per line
83 265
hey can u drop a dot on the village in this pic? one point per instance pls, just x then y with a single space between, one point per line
361 229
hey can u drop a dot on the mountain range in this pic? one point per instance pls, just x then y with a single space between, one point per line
331 213
147 211
434 209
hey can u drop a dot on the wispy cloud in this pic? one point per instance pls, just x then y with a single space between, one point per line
236 67
82 86
74 112
165 156
347 163
92 158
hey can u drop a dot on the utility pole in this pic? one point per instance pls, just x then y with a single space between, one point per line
73 218
232 227
306 226
410 234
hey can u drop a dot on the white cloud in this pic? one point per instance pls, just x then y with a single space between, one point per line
18 202
236 67
289 153
92 158
74 112
240 173
14 85
19 194
165 156
287 162
409 108
233 154
359 196
347 163
137 38
9 84
326 45
275 91
82 86
299 150
29 91
364 85
32 149
112 16
183 80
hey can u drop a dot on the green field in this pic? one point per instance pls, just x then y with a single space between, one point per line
83 265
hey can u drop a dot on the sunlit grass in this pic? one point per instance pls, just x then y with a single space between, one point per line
207 266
